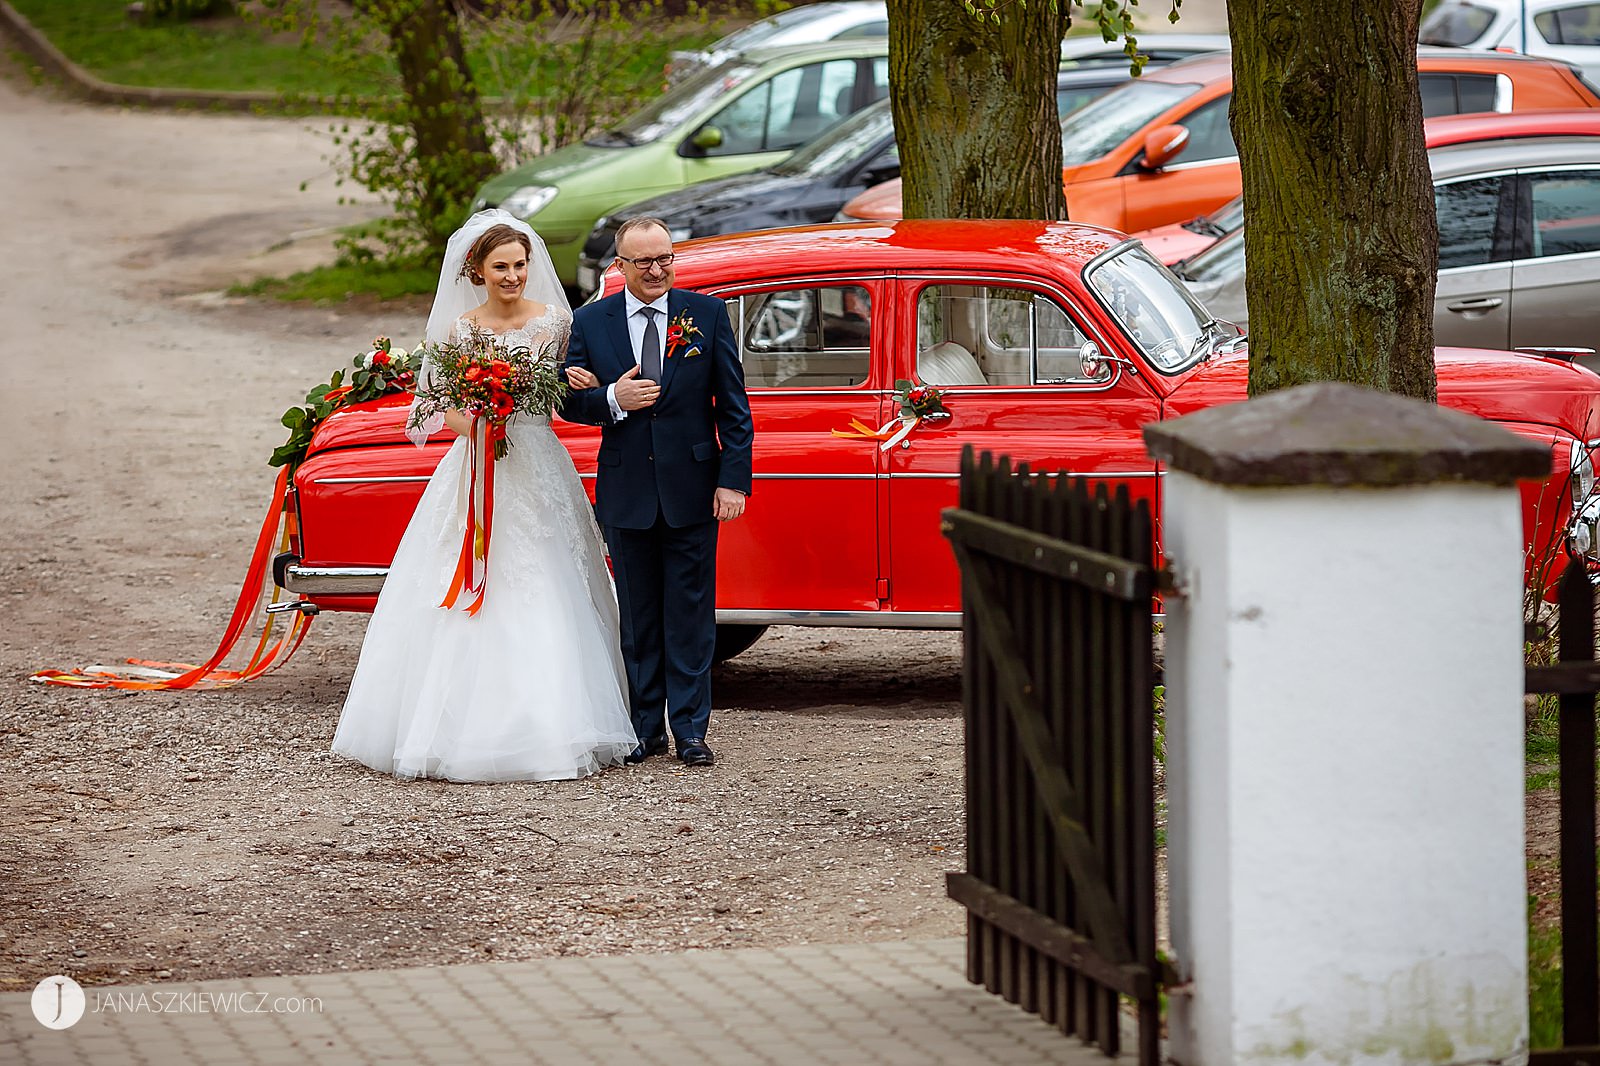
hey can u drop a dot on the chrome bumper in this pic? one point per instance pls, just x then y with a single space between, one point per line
368 580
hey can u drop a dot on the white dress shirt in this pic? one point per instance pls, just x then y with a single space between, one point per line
636 340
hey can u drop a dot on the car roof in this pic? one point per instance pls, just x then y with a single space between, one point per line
1491 125
1456 160
1218 66
909 245
852 48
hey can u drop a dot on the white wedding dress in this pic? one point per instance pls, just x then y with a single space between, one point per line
533 687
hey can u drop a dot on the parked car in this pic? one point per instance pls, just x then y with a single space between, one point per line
747 113
1519 246
1180 242
828 20
1568 30
1159 149
1052 342
809 186
1159 49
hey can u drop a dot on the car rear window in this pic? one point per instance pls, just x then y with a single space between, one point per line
1455 24
1458 94
1578 25
1101 125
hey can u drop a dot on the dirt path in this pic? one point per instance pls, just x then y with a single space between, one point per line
210 835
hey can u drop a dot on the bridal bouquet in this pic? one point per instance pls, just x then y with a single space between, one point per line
489 383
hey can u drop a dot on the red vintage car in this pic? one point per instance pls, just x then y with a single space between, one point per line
1052 342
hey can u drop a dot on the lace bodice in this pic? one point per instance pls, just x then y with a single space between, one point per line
554 325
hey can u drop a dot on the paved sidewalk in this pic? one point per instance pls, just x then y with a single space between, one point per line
903 1002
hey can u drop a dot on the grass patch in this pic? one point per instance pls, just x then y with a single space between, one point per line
380 280
1544 983
233 53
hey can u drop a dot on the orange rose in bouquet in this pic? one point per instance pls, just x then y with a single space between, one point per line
486 381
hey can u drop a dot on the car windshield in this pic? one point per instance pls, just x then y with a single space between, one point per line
1221 262
1100 125
1455 24
673 107
840 145
1153 308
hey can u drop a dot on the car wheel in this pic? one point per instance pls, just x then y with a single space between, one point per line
732 639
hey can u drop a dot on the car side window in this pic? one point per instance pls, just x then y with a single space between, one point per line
788 110
1456 94
812 338
1472 230
1209 135
866 29
987 335
1579 24
1565 212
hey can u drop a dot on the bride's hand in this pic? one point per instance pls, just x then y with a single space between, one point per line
579 378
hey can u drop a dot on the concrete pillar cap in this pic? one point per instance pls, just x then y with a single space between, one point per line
1335 434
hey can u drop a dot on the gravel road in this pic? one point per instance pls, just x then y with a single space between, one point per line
204 835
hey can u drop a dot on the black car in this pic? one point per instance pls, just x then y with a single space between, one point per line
809 186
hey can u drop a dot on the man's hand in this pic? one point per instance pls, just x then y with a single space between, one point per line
634 392
728 504
579 378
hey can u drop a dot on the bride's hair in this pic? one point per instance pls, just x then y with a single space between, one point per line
492 238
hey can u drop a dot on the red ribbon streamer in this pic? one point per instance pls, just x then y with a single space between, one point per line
206 675
472 565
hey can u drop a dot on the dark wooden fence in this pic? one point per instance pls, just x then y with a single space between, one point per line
1576 678
1060 881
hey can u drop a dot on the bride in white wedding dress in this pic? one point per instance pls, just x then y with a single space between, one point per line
533 687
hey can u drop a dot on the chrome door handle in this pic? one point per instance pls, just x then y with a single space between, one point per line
1484 303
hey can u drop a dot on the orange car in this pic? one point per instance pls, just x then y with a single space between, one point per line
1159 150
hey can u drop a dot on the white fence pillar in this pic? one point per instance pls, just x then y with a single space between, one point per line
1344 731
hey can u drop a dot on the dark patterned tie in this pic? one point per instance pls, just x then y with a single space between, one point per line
650 348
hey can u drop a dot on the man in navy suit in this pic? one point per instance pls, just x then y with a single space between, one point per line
674 462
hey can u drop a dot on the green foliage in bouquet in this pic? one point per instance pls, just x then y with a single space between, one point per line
475 375
382 371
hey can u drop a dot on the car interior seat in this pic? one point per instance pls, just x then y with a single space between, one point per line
948 363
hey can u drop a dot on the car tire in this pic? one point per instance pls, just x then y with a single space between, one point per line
733 639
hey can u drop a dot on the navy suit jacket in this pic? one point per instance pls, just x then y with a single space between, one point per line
695 439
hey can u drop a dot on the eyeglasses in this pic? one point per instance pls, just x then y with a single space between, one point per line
646 262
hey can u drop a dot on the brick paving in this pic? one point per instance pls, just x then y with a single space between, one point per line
904 1002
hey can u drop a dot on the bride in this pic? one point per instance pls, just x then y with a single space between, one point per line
533 687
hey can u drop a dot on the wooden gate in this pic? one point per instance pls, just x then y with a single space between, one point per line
1060 884
1577 679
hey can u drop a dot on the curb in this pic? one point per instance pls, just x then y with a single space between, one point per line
89 87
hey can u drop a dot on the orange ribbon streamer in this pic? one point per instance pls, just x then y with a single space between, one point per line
472 565
151 675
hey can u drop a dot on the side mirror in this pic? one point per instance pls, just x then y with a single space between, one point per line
706 138
1162 145
1091 365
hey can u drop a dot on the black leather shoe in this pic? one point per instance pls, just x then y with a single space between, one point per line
653 746
693 752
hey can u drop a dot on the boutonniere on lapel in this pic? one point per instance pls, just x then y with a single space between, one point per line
681 332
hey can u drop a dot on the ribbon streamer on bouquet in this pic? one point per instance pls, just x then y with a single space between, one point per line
859 430
472 566
146 674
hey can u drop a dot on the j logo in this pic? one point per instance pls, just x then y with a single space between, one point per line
58 1002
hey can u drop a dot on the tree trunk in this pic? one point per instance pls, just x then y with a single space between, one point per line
975 109
443 109
1341 241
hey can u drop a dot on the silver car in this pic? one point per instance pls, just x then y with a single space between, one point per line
829 20
1519 247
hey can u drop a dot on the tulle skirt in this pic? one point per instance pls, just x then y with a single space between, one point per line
531 688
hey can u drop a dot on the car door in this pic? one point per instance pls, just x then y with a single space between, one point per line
1555 277
1472 302
1203 177
1006 354
777 115
809 542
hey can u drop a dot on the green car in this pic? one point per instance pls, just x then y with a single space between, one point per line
748 113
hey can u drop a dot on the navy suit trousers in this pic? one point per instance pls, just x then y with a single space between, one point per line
666 589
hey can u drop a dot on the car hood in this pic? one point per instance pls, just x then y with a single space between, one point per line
707 199
1173 243
1499 386
879 202
575 160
